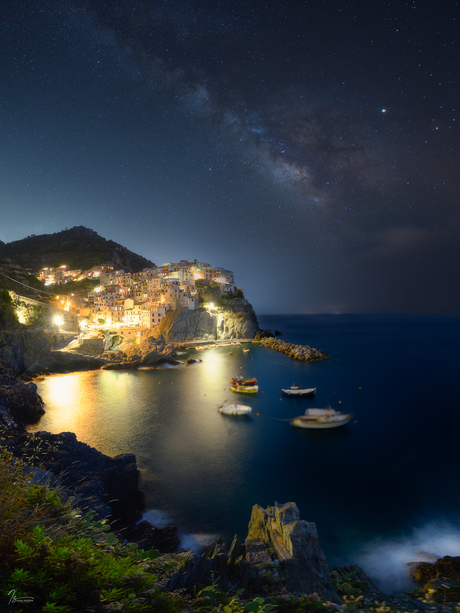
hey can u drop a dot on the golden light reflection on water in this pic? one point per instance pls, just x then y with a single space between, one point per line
70 399
168 417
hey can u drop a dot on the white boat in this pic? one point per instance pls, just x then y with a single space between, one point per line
235 409
296 390
321 419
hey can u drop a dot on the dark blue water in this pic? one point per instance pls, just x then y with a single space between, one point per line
391 471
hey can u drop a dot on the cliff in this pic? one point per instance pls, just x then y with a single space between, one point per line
236 320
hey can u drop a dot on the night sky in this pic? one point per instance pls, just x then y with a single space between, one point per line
310 147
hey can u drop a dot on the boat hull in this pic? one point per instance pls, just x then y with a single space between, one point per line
235 409
299 392
315 424
245 389
242 381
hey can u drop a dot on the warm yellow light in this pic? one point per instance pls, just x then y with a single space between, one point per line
20 316
108 321
211 305
58 320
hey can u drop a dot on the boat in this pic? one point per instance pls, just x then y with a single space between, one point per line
296 390
245 389
235 409
321 419
240 380
245 350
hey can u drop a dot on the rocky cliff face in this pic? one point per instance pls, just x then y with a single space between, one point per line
237 320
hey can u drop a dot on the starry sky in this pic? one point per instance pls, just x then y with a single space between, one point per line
311 147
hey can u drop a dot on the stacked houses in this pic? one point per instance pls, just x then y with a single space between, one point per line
140 299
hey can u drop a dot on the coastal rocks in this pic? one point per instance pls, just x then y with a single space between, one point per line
267 333
108 486
89 346
193 361
236 320
165 540
20 402
63 362
297 352
150 351
279 548
446 567
224 568
295 545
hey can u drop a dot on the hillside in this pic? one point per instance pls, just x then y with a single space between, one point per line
14 277
78 247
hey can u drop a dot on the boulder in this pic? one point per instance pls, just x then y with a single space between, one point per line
446 567
165 540
295 544
20 402
267 333
150 351
193 361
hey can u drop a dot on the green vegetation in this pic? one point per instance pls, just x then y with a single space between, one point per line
78 288
6 308
64 561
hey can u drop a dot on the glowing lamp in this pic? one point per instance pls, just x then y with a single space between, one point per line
58 320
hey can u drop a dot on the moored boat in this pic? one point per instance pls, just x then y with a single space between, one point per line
235 409
321 419
240 380
244 389
297 390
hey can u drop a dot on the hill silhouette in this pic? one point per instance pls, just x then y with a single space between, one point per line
77 248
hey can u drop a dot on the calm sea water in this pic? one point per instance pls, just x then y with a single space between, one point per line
378 488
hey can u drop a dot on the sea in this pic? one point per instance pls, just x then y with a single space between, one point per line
381 490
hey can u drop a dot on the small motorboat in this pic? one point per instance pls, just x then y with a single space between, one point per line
235 409
321 419
297 390
240 380
244 389
245 350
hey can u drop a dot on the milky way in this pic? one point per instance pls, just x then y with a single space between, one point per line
246 124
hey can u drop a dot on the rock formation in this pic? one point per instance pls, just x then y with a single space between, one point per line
295 545
108 486
236 320
447 567
297 352
149 351
279 547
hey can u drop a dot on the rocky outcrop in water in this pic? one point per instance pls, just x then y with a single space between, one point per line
446 567
295 545
297 352
19 401
150 351
236 320
280 551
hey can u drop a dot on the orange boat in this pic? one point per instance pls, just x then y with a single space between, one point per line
239 380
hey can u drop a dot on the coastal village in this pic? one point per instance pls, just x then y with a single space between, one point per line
133 302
